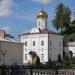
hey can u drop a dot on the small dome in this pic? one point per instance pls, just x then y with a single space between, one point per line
42 14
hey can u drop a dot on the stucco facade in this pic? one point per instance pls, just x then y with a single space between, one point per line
70 47
53 45
37 48
14 52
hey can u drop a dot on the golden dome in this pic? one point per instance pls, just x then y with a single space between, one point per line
42 14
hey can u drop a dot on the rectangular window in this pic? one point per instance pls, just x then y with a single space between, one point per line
42 57
33 43
25 56
42 43
26 43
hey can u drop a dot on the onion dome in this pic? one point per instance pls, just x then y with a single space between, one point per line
42 14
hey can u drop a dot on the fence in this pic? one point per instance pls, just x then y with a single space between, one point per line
36 70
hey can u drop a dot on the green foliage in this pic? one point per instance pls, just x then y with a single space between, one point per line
69 34
66 58
67 62
62 20
62 17
49 63
63 54
71 54
34 55
70 37
38 61
59 58
73 22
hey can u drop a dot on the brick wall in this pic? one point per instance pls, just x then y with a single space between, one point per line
2 33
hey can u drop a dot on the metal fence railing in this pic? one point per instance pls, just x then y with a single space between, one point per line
36 70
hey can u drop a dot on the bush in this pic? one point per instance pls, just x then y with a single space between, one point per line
67 62
38 61
66 58
59 58
49 63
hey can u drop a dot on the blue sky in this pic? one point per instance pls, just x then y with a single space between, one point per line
17 16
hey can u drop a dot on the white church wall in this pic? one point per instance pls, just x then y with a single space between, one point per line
56 46
40 50
44 48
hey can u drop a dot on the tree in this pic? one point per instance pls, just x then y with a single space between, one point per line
66 58
49 63
71 54
67 62
59 58
35 58
73 23
64 54
38 60
62 17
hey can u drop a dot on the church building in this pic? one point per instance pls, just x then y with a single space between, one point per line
46 43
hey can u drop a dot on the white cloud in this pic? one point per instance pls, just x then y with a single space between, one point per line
5 7
43 1
7 29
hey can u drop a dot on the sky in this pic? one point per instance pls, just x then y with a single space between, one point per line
18 16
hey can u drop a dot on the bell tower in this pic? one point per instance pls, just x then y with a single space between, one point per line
42 19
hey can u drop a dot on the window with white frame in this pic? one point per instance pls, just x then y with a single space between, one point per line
42 43
25 56
33 43
42 57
